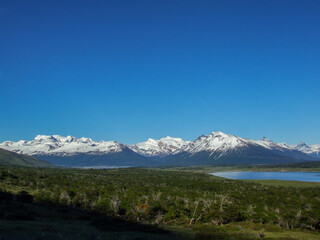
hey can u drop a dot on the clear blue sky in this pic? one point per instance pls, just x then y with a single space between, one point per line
129 70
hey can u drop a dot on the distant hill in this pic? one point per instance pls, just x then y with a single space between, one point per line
14 159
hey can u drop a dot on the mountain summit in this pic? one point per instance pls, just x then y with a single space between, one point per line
219 148
313 150
161 148
216 148
65 146
71 151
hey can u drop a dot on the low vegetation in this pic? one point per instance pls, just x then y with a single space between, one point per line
210 207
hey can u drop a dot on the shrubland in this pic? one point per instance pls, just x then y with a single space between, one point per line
167 198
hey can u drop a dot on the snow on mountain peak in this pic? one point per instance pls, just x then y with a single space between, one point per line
302 145
162 147
219 142
42 138
214 142
169 138
151 140
312 149
59 145
85 140
219 133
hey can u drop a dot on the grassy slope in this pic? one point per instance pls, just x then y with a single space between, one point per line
10 158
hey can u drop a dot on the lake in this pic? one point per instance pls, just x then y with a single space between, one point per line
293 176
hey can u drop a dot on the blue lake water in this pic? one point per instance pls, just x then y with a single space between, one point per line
294 176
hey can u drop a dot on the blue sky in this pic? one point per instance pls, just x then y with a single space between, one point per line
129 70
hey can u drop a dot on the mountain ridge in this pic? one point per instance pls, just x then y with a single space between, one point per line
162 147
214 147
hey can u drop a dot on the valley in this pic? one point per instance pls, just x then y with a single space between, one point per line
57 187
164 203
160 120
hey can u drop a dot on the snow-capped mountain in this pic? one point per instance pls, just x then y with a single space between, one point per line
221 148
219 142
215 148
71 151
64 146
160 148
214 142
313 150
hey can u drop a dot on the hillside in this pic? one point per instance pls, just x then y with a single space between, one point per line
10 158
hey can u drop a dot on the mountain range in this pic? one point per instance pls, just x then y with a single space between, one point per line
216 148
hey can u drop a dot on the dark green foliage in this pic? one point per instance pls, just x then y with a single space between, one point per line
14 159
168 197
